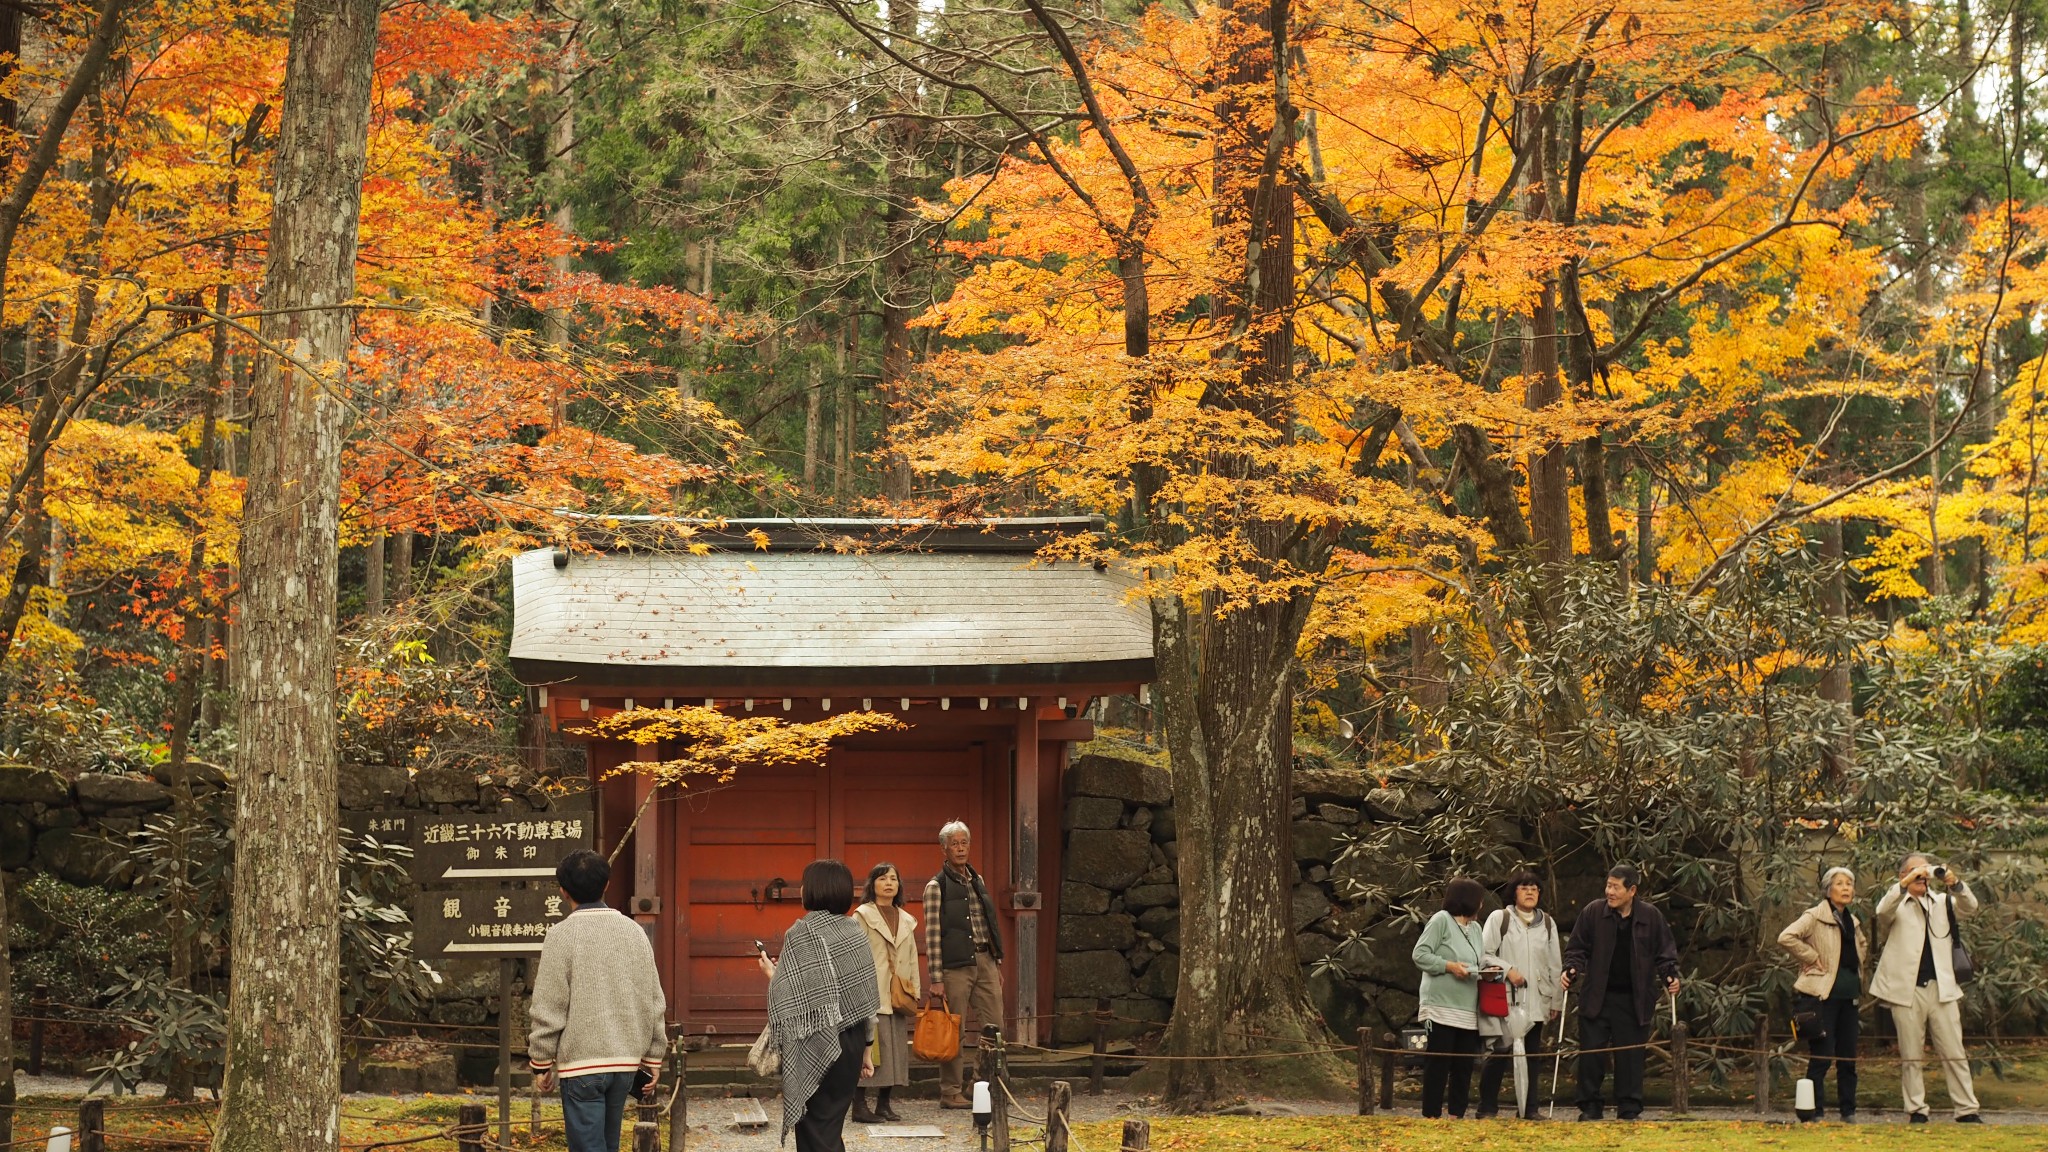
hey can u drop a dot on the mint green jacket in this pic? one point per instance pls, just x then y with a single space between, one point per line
1443 941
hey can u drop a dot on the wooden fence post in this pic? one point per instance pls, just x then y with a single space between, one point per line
1137 1136
647 1129
679 1110
1365 1100
1058 1099
1681 1071
998 1088
1763 1065
469 1128
92 1125
39 1007
1390 1044
1101 1059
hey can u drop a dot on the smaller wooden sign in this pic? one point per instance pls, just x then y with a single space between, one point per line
485 921
526 846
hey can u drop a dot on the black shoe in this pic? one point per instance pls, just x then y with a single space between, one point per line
1628 1115
861 1112
1484 1115
1972 1118
1848 1117
1588 1117
1917 1118
887 1112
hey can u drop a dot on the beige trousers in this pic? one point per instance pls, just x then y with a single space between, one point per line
1924 1019
977 995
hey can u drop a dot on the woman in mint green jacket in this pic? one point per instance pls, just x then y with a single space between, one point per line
1449 954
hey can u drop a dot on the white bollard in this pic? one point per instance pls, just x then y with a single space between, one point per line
60 1139
1802 1096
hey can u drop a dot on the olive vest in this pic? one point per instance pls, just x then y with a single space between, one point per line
956 936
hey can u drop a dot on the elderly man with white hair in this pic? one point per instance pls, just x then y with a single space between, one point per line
963 947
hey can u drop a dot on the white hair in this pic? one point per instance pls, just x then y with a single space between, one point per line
1827 878
954 828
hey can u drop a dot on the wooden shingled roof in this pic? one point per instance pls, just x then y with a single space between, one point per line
827 616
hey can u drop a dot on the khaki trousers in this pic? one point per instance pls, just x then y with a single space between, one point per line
977 995
1924 1019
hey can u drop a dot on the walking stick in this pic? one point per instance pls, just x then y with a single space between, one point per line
1557 1065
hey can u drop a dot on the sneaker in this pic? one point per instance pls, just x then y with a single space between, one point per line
1917 1118
1972 1118
1848 1117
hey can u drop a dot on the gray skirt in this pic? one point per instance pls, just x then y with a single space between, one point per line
892 1064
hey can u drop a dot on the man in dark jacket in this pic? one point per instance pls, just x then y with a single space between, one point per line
1620 958
963 946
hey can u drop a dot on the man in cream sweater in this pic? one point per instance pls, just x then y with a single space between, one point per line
1916 978
597 1010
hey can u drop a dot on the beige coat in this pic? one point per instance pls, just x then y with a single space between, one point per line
1902 922
895 955
1816 942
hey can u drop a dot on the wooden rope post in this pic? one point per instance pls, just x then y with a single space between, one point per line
998 1088
92 1125
1058 1099
39 1007
1681 1071
1389 1045
1365 1100
1101 1058
1137 1136
469 1128
1763 1064
679 1112
508 989
647 1128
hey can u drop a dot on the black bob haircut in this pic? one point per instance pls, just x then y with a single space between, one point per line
1525 878
1463 896
828 887
583 874
1629 877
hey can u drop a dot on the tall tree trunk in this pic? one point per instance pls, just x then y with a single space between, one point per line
1550 504
814 426
898 261
1646 529
374 564
282 1083
1224 679
401 565
1834 599
1600 542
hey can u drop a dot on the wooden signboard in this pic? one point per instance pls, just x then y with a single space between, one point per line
485 921
463 847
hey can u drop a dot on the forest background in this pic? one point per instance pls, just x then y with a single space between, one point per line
1616 427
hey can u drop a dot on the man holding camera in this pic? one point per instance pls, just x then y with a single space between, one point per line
1916 979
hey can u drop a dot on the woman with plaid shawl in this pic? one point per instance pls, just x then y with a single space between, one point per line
821 1010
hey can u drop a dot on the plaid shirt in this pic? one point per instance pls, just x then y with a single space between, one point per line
934 894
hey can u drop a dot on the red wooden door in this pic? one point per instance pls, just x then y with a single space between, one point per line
861 808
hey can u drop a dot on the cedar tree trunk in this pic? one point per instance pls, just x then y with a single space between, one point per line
282 1088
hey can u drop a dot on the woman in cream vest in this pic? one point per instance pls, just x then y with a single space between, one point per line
893 941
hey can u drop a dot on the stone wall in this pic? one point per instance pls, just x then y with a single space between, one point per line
1119 930
80 829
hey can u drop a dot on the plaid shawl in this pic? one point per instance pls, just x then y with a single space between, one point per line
824 983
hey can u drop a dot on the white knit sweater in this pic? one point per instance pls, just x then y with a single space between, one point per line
597 1002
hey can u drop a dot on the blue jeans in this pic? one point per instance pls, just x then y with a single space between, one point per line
593 1107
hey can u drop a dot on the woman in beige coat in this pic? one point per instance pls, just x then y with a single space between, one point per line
893 941
1828 942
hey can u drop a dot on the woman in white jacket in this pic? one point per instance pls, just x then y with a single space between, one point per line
1523 939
